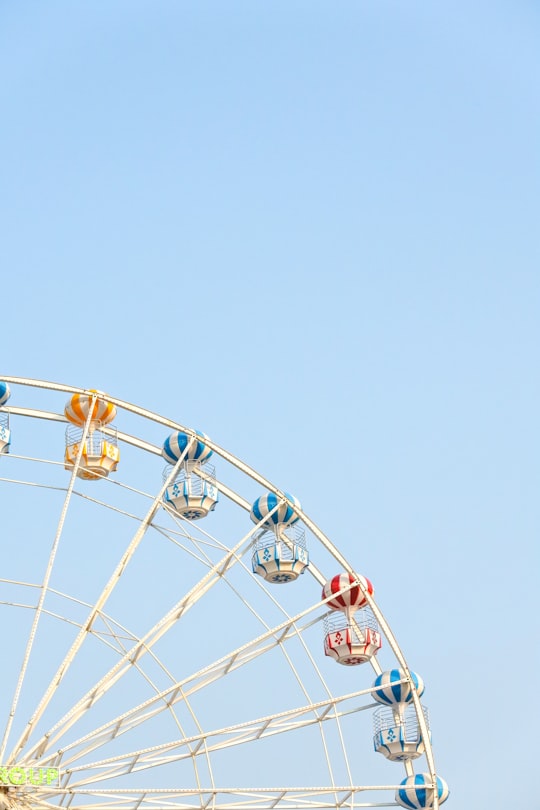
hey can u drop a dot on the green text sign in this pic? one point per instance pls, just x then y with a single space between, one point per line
28 776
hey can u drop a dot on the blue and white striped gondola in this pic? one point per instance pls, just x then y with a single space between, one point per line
264 509
193 448
397 734
280 554
5 393
391 688
416 792
193 493
5 433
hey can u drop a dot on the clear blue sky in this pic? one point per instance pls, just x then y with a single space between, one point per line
311 230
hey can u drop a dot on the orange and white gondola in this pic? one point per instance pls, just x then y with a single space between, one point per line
100 453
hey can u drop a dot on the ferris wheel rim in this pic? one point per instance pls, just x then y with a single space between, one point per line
255 476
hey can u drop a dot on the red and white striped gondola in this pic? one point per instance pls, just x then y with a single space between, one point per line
351 631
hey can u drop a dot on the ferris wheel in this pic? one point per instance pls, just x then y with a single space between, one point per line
179 634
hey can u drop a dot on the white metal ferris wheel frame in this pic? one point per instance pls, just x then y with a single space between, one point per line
43 753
